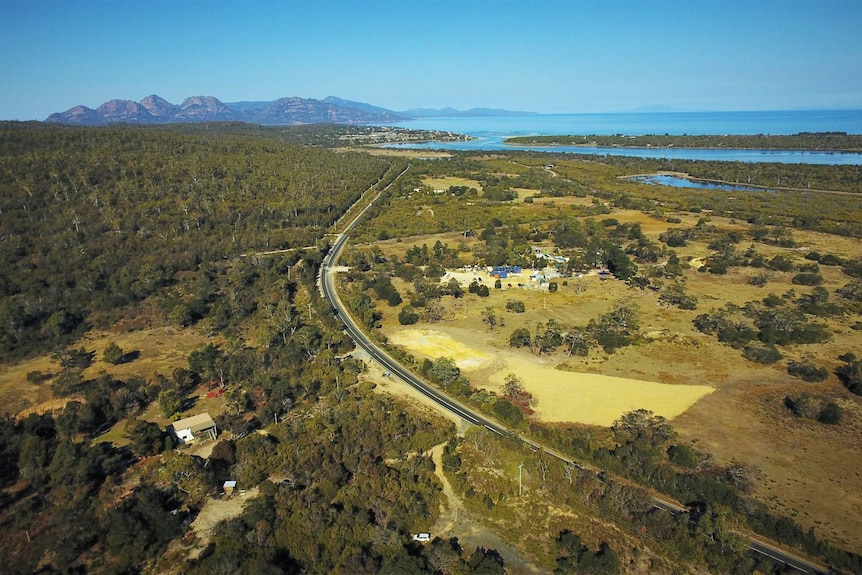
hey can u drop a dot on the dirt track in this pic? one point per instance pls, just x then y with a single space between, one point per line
456 521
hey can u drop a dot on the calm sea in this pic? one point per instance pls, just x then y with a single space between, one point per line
491 131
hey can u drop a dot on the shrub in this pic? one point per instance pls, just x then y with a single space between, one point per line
760 279
508 411
852 291
113 354
515 306
407 316
830 414
520 338
807 371
772 301
717 266
37 377
765 355
803 406
831 260
811 408
394 299
850 373
807 279
683 455
853 269
781 263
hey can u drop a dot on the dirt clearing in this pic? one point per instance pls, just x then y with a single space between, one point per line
594 399
433 344
562 396
213 512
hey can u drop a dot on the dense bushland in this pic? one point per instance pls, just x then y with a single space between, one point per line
97 219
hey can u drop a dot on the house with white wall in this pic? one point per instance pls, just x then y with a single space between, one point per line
194 428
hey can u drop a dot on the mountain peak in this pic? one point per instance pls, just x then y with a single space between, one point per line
284 111
290 110
157 107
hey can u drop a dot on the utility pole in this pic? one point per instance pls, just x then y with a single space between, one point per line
520 484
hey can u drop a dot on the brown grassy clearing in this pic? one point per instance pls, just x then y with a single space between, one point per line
446 182
402 152
561 396
808 470
161 350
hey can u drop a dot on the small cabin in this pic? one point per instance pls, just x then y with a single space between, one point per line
193 428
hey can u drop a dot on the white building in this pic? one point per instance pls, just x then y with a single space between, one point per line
192 428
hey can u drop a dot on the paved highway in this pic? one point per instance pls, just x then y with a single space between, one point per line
327 287
385 360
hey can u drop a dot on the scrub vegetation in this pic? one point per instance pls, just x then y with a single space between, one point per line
146 266
834 141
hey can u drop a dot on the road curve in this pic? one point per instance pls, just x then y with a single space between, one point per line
380 356
326 284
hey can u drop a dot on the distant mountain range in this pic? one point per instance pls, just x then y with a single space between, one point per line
284 111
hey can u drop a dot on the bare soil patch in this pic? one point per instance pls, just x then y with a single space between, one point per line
434 344
214 511
562 396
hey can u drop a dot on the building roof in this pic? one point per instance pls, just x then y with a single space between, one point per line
195 422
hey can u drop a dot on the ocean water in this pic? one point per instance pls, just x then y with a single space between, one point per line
489 132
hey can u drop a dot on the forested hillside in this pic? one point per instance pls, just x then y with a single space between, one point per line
115 223
94 220
214 235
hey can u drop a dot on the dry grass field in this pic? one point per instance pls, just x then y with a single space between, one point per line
724 404
448 181
159 350
562 396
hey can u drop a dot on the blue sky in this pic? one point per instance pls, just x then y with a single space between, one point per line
536 55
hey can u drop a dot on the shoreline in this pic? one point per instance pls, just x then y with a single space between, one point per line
689 177
507 142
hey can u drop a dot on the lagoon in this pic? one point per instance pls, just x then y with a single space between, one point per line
489 133
680 182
